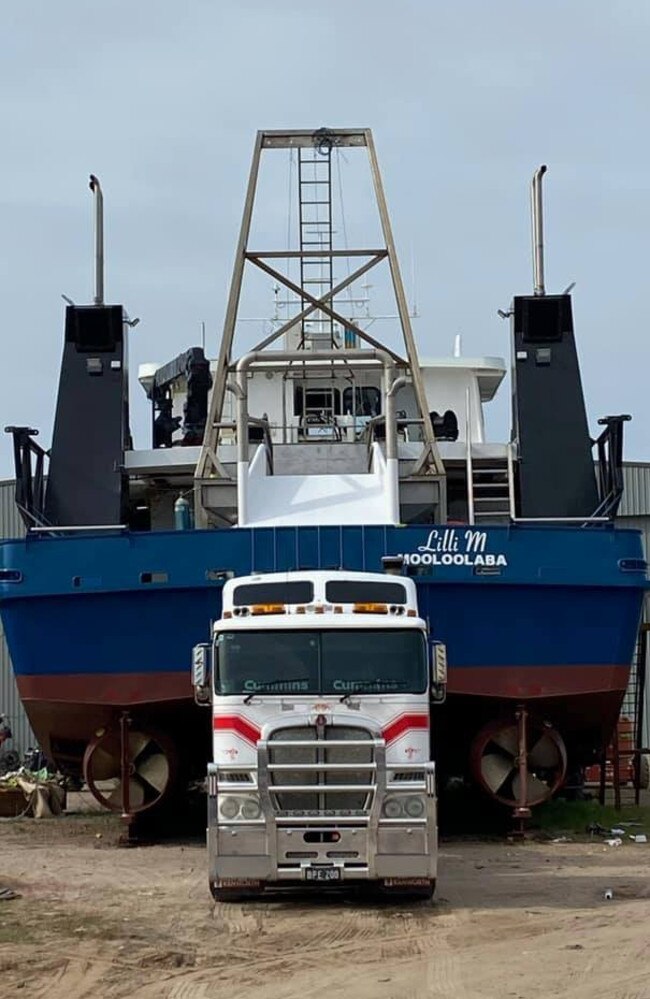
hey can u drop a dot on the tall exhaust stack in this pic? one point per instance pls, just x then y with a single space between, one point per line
556 475
86 481
96 188
537 212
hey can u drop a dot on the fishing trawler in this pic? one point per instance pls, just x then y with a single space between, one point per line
322 447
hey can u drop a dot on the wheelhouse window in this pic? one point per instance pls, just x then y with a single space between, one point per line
317 401
362 400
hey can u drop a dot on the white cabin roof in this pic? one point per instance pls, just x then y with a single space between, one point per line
489 371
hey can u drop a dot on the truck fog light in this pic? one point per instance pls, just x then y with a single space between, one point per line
251 809
414 807
393 808
229 808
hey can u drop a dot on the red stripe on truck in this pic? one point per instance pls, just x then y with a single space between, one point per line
241 726
403 723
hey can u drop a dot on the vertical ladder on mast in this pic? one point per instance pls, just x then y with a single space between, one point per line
315 229
218 499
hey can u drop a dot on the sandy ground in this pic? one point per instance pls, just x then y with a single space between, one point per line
509 920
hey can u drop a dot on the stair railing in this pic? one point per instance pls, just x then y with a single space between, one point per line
29 462
468 460
609 453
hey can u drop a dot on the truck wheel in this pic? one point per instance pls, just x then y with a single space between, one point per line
232 894
424 892
427 893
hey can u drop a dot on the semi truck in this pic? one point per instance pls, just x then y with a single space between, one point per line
321 686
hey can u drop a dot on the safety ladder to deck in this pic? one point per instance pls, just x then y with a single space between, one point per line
488 483
315 223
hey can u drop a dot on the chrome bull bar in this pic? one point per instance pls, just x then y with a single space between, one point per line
377 789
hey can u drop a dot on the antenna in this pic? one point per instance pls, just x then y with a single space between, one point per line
96 188
538 231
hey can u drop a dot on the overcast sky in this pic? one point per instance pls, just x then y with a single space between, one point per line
162 100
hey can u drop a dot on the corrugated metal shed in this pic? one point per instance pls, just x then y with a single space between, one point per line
11 526
634 512
636 494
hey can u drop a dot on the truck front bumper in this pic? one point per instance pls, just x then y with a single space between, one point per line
288 853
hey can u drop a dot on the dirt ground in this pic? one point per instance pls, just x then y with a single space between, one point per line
528 920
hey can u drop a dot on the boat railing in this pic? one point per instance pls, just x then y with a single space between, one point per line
29 463
265 438
585 521
468 459
375 431
510 459
77 528
609 467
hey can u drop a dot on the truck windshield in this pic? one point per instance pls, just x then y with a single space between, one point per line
321 662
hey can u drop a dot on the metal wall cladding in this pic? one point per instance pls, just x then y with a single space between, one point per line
636 493
642 524
11 526
638 523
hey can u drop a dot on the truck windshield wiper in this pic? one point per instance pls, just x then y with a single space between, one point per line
263 688
364 686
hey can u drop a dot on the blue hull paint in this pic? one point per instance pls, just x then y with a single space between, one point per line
565 596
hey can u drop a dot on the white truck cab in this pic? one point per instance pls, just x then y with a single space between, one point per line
321 685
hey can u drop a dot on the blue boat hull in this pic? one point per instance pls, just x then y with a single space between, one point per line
547 615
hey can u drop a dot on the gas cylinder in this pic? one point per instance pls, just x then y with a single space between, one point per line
182 514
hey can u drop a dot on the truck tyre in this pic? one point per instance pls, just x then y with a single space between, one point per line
375 891
426 894
229 895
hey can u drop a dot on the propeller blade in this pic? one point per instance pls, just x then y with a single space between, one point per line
495 770
138 742
136 795
544 753
104 764
536 789
154 771
507 739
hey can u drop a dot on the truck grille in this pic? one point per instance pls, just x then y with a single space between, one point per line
321 801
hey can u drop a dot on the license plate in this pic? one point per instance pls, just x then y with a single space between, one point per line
322 873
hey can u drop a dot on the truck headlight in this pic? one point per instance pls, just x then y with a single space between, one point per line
414 807
235 808
229 807
251 809
400 807
393 808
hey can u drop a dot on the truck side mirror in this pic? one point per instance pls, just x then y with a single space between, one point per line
438 672
201 671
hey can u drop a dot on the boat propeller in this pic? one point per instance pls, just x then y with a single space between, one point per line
497 764
144 757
